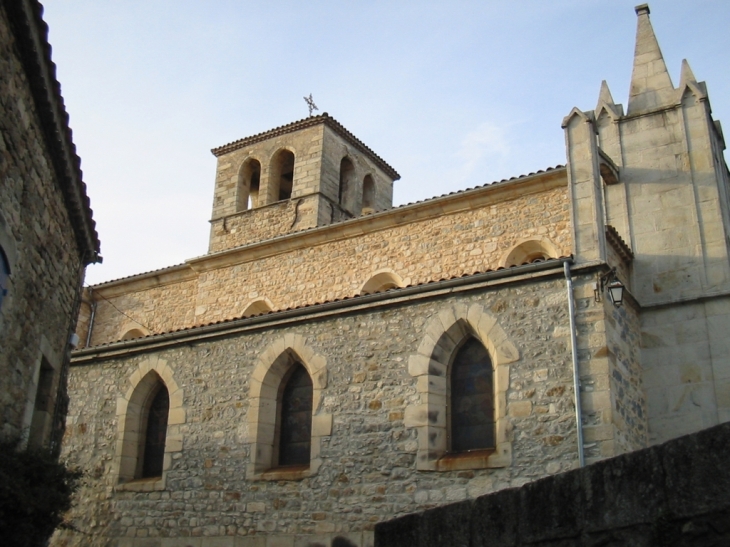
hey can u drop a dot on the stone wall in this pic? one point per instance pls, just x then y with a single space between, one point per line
685 354
674 494
37 236
420 244
368 469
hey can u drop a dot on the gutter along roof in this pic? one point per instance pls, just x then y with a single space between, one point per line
552 266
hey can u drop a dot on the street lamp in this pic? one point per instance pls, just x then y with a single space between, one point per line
610 282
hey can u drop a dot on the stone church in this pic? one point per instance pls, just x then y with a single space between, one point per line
334 361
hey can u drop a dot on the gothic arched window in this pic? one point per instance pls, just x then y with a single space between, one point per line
155 434
295 422
472 399
4 276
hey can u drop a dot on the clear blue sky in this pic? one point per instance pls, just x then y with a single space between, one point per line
452 94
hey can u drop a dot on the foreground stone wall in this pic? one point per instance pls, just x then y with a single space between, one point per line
368 469
675 494
37 237
337 262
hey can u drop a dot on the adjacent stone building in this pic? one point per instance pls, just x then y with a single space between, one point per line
334 361
47 234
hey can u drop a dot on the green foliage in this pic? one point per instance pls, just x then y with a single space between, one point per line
35 492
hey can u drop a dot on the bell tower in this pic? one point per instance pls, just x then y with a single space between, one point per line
301 175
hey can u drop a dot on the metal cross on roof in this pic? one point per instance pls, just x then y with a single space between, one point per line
310 104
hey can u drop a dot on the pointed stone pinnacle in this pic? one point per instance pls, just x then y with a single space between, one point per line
687 75
651 86
605 94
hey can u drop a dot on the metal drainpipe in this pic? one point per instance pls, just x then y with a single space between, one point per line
576 377
92 305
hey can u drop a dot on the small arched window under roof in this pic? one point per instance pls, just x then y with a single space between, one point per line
382 281
529 251
257 307
131 334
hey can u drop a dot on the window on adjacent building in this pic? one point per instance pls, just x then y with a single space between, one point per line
155 434
295 421
4 276
472 399
43 409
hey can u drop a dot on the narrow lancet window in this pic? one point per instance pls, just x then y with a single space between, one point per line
368 194
248 185
347 172
472 399
154 447
282 175
295 435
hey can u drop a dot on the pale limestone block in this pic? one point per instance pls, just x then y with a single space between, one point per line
595 400
174 443
255 507
520 409
176 398
431 384
507 353
426 346
501 376
474 314
593 433
136 377
485 326
416 415
122 406
176 416
319 378
418 365
316 362
322 425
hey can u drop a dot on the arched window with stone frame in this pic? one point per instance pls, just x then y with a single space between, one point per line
294 418
452 368
247 190
281 175
471 399
347 183
368 195
286 422
150 414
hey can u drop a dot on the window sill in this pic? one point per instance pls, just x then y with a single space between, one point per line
150 484
290 473
474 459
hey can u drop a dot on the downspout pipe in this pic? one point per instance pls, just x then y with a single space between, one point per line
92 305
576 375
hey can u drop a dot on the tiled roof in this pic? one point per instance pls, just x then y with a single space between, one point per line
311 121
31 35
386 211
354 298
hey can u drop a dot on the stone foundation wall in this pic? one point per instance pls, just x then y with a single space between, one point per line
674 494
368 469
